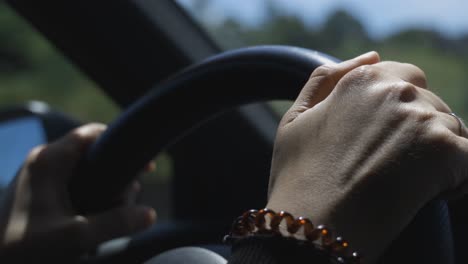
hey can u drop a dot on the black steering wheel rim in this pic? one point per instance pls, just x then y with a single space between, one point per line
134 133
222 82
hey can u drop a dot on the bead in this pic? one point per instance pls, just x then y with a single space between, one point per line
275 222
355 258
291 225
287 216
339 244
260 218
255 222
326 235
308 227
239 226
313 235
249 216
248 219
250 213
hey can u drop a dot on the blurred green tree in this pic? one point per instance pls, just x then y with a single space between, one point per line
32 69
444 59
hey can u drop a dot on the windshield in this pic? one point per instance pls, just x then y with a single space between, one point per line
430 34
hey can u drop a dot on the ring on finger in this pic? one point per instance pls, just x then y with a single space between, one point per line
460 123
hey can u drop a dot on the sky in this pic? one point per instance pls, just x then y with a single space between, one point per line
380 18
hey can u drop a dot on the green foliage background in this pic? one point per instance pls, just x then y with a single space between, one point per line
30 68
444 59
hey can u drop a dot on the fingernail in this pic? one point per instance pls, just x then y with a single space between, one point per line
149 216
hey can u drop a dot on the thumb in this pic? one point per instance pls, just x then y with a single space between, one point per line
116 223
324 79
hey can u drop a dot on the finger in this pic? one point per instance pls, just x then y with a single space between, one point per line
433 99
62 155
405 71
324 79
80 138
453 123
425 98
463 130
131 193
150 167
447 134
117 223
414 75
458 167
67 149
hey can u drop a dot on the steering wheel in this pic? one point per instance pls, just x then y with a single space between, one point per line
217 84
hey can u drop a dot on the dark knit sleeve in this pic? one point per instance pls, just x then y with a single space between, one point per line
274 250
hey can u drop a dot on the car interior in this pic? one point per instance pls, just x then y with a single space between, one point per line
201 109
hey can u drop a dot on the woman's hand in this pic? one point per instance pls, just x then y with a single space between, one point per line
363 148
37 221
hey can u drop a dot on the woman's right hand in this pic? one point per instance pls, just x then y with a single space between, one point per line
363 148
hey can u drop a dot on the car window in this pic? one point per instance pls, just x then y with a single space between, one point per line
32 69
430 34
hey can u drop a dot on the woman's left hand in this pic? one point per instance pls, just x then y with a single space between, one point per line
37 221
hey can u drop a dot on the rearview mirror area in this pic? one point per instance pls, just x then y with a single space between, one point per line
23 128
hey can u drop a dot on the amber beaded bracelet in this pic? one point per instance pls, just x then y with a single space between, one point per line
267 222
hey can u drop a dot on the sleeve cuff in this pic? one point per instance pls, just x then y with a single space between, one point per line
275 250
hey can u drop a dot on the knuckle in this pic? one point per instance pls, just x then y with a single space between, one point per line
70 147
362 74
403 91
76 137
361 77
440 137
323 70
425 128
323 74
399 91
37 157
366 72
86 134
408 72
420 118
417 73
